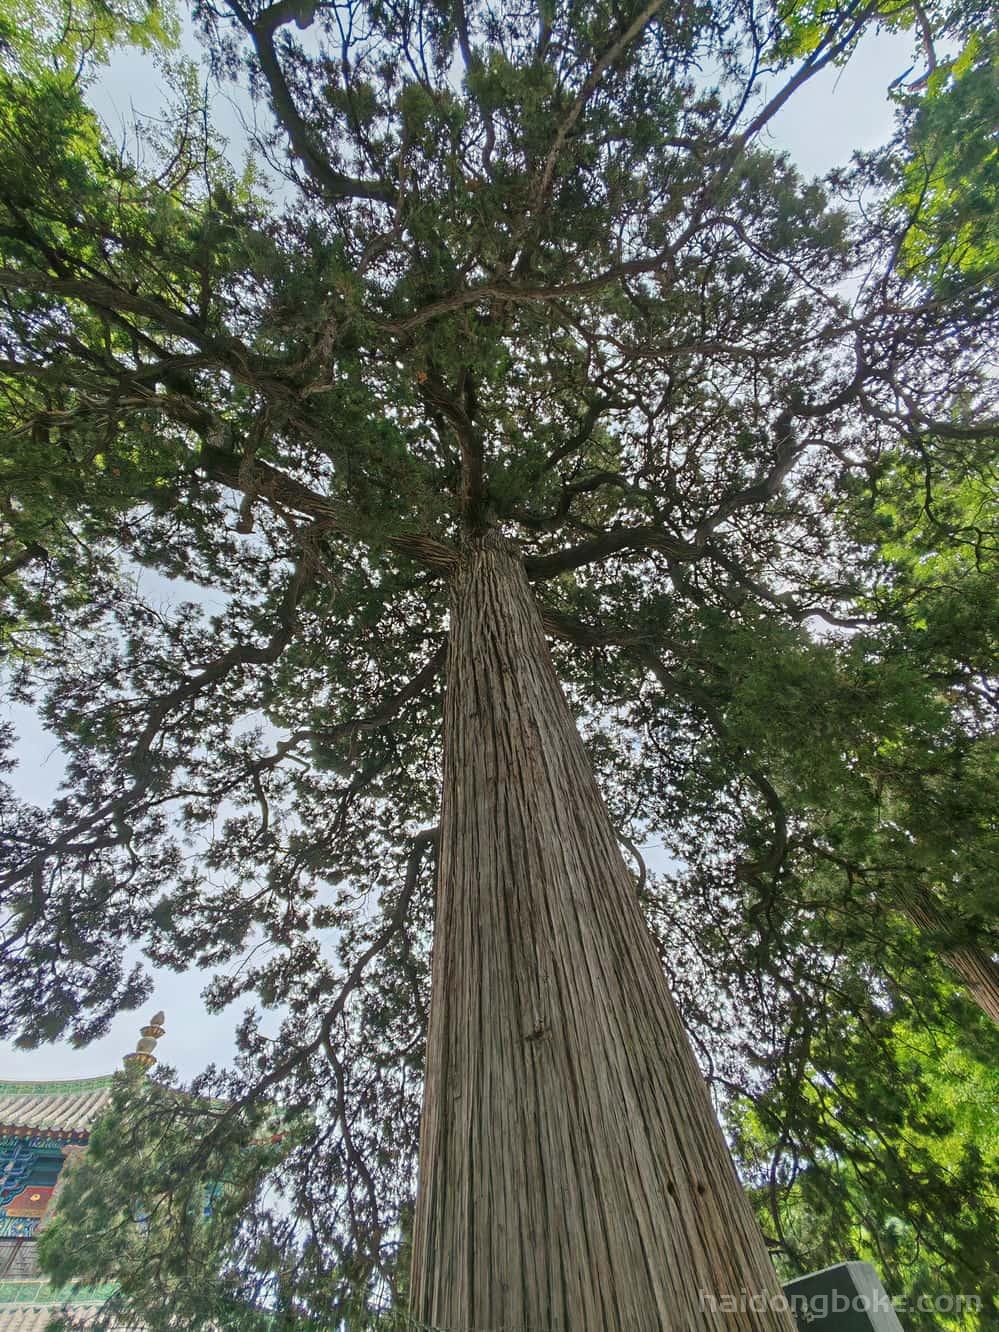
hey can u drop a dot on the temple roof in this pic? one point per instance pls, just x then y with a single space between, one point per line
60 1109
27 1306
36 1317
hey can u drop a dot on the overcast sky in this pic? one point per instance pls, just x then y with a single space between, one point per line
837 113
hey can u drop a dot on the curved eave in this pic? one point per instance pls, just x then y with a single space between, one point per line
65 1110
81 1136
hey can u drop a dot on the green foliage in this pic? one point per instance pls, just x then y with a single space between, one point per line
62 40
488 269
932 1144
161 1202
951 181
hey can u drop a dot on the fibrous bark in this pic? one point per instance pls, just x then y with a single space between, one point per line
573 1177
980 975
973 965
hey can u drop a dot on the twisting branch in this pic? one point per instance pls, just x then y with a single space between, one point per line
829 48
31 554
765 488
639 860
579 438
926 33
422 841
269 483
334 184
617 541
113 812
388 711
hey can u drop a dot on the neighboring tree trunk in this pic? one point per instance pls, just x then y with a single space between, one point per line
980 975
573 1177
976 969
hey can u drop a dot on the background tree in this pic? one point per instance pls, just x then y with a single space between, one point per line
515 328
173 1219
928 1221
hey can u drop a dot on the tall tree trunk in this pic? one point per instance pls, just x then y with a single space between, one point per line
973 966
573 1177
980 975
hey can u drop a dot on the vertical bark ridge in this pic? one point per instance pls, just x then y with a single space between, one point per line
974 966
980 975
573 1177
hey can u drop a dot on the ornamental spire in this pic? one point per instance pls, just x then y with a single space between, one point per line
142 1057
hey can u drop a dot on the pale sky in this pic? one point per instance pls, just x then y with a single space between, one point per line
837 113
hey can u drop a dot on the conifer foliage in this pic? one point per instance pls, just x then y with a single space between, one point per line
512 297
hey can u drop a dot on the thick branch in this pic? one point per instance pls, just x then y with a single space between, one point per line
269 483
103 296
618 541
333 183
827 51
765 488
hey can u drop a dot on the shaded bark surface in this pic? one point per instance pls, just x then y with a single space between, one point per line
980 975
975 967
572 1172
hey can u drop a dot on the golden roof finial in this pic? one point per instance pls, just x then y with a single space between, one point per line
142 1057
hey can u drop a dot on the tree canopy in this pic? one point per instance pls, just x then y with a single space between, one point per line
532 269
